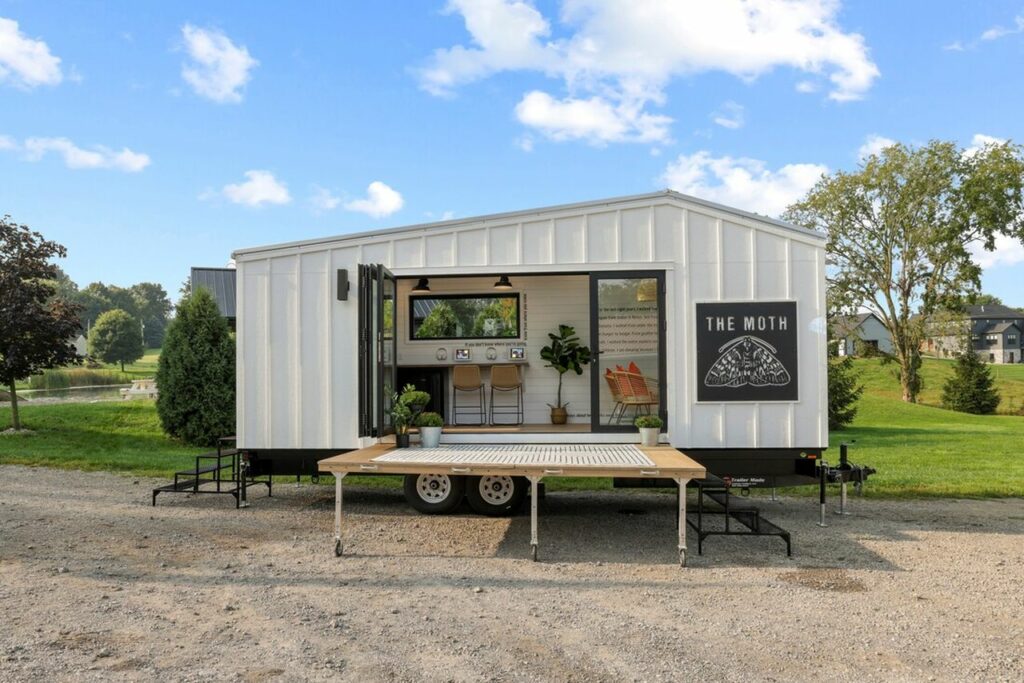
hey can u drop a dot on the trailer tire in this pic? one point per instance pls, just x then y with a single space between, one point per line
496 496
434 494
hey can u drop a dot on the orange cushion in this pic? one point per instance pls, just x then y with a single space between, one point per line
633 367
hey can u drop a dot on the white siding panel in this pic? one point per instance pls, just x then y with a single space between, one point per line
570 240
704 282
284 322
737 259
668 233
409 253
252 326
602 238
740 425
773 426
772 267
377 252
504 245
808 413
441 250
537 242
344 355
315 294
472 249
706 427
636 235
703 239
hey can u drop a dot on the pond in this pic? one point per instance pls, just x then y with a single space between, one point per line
72 394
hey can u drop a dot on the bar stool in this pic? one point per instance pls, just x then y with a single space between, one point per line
466 378
506 378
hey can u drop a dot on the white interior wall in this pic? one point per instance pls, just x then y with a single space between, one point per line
545 303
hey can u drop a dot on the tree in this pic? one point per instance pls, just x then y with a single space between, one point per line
900 227
843 392
116 338
971 388
196 373
985 300
154 307
439 323
37 328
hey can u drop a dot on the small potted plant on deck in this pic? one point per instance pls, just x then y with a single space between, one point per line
430 425
650 429
405 408
564 353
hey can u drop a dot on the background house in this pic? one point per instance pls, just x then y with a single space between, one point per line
220 282
861 334
996 333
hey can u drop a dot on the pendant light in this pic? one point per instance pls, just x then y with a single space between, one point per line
503 283
421 286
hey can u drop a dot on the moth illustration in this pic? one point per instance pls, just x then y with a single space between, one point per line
747 360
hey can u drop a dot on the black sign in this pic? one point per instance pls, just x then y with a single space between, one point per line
747 351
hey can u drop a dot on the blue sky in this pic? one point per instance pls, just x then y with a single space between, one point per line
150 137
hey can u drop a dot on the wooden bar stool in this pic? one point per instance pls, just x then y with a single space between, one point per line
506 378
466 378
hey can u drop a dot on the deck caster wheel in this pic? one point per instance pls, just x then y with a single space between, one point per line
337 548
682 558
533 553
496 495
434 494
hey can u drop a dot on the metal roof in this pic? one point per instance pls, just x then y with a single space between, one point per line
1000 328
441 225
221 283
993 311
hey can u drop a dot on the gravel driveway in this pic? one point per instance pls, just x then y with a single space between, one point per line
95 584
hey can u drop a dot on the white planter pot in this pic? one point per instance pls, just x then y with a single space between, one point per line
649 436
430 437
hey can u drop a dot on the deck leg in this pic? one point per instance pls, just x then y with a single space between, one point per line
682 520
337 513
534 496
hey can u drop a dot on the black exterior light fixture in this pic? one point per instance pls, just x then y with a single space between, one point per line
421 286
503 283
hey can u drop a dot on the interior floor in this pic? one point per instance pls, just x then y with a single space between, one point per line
516 429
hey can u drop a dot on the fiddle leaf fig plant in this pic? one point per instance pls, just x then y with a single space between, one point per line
565 353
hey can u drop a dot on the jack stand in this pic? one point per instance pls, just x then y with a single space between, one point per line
822 467
774 499
243 475
842 500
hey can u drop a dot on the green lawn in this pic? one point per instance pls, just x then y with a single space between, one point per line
918 450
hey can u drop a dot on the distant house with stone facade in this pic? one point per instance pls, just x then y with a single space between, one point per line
997 334
860 335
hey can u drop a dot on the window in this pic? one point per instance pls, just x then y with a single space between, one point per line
992 338
1011 339
464 316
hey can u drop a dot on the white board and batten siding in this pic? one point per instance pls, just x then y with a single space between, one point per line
298 346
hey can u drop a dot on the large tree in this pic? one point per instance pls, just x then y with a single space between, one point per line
900 229
37 328
196 373
116 338
154 307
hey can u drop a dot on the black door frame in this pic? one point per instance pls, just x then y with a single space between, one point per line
371 331
596 377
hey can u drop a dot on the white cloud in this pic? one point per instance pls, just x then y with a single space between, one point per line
746 184
729 115
1009 251
955 46
979 141
259 188
873 145
595 120
218 69
525 143
380 201
25 62
806 87
447 215
323 200
997 32
625 52
76 157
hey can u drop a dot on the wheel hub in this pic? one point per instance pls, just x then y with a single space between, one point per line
433 488
496 490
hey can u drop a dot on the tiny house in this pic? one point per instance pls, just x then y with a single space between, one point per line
710 317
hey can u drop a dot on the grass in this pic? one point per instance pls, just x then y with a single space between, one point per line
918 450
108 373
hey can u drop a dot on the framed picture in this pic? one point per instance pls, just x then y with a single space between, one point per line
517 353
462 355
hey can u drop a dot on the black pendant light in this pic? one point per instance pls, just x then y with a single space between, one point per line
503 283
421 286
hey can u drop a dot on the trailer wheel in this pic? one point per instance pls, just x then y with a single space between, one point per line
434 494
496 496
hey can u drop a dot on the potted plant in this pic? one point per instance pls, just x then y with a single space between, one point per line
430 429
564 353
405 408
650 428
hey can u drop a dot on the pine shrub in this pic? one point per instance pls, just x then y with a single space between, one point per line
843 392
971 388
196 373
